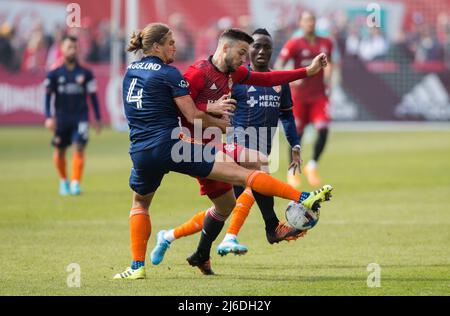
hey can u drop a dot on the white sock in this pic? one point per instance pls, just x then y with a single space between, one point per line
169 235
312 164
229 237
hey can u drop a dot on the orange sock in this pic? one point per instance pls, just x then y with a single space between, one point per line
77 165
140 230
60 164
267 185
192 226
240 212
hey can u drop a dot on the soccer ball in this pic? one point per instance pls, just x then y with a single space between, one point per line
301 217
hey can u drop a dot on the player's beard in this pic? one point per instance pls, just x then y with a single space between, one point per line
70 59
229 64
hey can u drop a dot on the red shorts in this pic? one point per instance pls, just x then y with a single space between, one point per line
315 111
212 188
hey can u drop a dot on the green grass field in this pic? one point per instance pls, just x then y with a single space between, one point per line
390 207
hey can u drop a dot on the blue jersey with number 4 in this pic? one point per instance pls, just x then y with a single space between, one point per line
149 89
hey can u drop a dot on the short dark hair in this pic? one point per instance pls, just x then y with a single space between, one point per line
236 34
69 38
261 31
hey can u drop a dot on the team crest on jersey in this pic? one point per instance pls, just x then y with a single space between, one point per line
277 89
61 79
183 84
306 52
79 79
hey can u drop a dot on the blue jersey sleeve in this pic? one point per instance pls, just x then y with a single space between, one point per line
91 83
286 98
176 82
287 117
91 88
50 88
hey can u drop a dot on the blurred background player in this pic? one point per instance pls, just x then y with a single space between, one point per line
258 108
70 84
309 94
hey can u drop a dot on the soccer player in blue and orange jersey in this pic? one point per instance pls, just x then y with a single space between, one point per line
70 84
254 124
310 94
154 94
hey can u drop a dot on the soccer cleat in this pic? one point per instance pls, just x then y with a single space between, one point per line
293 179
231 246
130 274
316 197
284 231
312 176
157 254
196 260
75 188
64 188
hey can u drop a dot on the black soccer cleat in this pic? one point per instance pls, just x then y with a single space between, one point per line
204 264
284 231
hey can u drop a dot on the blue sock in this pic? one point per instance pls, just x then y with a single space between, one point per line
137 264
304 196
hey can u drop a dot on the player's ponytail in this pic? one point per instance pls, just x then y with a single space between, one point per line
152 33
135 42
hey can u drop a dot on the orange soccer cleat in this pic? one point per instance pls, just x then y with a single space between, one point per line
312 175
293 179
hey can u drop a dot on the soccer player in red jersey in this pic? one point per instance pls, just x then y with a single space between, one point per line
210 82
309 95
262 117
154 95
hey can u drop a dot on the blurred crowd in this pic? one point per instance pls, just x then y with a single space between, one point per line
36 50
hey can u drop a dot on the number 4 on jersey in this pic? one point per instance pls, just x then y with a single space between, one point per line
134 98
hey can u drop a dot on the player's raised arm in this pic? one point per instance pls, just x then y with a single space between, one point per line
278 77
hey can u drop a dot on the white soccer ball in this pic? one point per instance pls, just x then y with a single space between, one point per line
301 217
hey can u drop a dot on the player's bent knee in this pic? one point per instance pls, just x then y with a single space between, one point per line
80 147
225 204
142 201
